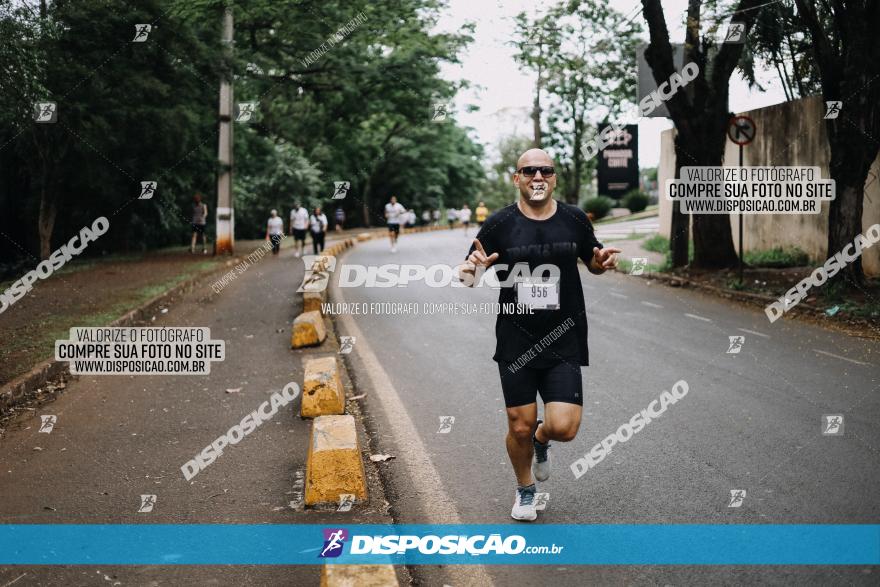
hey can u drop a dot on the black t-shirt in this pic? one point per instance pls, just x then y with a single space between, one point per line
559 240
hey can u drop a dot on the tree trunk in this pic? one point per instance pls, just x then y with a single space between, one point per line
46 221
713 237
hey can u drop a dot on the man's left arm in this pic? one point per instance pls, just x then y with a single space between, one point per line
600 258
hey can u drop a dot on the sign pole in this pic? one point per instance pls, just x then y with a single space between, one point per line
740 228
741 130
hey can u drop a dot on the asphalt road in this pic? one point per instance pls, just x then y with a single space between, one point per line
751 421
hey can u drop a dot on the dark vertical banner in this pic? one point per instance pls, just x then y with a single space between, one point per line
618 167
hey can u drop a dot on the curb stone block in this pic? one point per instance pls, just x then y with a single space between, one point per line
334 463
358 576
308 330
323 394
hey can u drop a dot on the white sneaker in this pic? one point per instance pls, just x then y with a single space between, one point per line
393 249
524 504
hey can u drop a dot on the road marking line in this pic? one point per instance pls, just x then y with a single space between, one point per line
698 317
652 305
617 295
754 332
841 358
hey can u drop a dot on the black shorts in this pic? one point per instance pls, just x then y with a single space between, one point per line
560 383
299 234
199 228
395 228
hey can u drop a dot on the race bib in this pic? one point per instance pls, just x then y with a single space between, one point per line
537 294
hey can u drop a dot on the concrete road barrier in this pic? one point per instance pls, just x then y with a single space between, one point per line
312 300
358 576
323 394
308 330
334 463
364 236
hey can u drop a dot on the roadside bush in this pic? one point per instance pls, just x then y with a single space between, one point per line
635 200
599 206
777 257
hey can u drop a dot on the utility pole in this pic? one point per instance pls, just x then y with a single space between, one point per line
225 213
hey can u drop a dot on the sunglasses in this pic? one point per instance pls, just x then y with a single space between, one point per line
531 170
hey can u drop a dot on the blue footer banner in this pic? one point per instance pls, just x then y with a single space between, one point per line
422 544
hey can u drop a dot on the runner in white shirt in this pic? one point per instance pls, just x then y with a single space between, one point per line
275 231
465 216
299 223
394 212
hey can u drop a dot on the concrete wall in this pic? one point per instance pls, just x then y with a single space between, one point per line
792 133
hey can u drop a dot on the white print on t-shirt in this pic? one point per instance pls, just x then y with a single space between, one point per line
299 218
276 225
393 212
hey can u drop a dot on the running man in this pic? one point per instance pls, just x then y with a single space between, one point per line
482 213
465 215
318 227
299 223
394 216
275 231
539 348
451 217
199 223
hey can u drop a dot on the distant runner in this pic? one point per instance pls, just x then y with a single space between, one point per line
541 352
394 216
465 215
275 231
451 216
199 224
299 223
482 213
318 227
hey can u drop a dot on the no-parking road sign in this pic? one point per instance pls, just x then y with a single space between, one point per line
741 130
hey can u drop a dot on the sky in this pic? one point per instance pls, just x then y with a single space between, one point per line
504 92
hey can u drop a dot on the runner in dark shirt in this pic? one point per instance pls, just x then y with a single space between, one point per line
542 343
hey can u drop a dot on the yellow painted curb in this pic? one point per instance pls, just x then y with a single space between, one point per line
308 330
323 394
334 463
312 300
358 576
364 236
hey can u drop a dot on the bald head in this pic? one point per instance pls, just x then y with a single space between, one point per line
536 157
